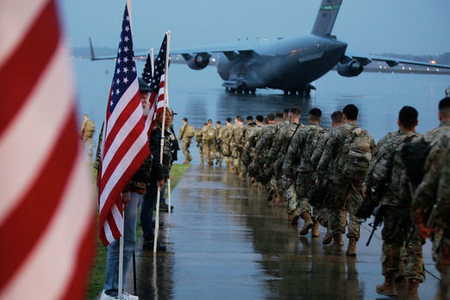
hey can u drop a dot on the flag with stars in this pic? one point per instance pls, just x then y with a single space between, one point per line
156 84
125 141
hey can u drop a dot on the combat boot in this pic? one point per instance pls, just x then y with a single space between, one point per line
293 217
315 230
306 216
413 286
328 238
351 248
337 243
388 287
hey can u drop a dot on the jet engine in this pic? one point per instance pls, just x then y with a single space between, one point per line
351 68
198 62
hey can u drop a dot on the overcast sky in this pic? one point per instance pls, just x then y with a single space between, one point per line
368 26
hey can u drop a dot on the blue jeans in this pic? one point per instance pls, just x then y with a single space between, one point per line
148 206
129 243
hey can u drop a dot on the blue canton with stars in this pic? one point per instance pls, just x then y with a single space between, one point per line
125 72
160 67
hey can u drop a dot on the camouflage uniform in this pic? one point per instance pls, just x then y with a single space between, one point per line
387 170
198 139
426 194
219 155
236 145
226 137
299 157
248 146
443 209
187 132
262 149
209 135
344 193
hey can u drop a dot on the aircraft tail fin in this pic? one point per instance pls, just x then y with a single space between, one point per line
326 17
92 49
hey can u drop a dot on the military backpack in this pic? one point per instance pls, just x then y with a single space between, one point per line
358 154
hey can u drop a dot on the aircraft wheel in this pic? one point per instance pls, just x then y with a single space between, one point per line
286 92
239 90
293 92
232 90
253 91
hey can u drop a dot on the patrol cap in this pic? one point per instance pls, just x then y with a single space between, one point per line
143 86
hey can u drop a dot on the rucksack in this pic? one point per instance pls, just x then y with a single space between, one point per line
358 149
190 131
90 126
209 134
414 155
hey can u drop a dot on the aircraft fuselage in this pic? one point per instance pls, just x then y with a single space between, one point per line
286 64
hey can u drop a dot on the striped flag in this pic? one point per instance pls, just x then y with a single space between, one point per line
124 142
47 215
156 84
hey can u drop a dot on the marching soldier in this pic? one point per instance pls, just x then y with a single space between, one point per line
347 156
187 132
209 136
388 177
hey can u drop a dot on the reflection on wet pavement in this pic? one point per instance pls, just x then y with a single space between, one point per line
225 241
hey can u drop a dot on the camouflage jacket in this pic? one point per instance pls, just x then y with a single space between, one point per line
227 134
443 195
333 159
281 141
251 138
320 146
209 135
187 132
265 141
298 158
387 167
426 193
237 135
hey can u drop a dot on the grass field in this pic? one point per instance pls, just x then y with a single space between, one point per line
98 270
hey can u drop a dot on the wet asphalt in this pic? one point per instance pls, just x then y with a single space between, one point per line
226 241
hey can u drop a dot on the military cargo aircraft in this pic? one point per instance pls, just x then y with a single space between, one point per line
291 64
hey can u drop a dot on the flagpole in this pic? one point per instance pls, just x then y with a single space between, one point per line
152 61
123 210
163 128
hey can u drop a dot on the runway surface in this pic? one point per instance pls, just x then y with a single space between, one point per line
225 241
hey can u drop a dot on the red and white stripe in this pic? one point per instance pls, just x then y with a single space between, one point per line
45 250
156 105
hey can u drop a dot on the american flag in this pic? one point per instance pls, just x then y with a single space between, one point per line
156 84
125 142
44 180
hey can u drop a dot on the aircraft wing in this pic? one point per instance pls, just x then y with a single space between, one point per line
382 64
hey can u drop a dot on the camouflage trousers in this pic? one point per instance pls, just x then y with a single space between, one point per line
185 146
290 197
202 154
219 156
441 258
399 258
302 185
344 196
210 151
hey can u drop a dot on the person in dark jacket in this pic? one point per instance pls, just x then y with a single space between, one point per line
159 174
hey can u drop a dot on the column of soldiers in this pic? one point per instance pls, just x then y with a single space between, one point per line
336 177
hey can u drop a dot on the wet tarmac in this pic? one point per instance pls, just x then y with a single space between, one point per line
225 241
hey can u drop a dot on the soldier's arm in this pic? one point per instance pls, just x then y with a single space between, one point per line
327 155
443 194
426 193
318 150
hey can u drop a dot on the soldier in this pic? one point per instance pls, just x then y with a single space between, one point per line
199 140
320 209
426 194
249 131
387 175
226 136
87 132
347 156
209 136
262 148
252 135
298 159
187 132
219 156
236 143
